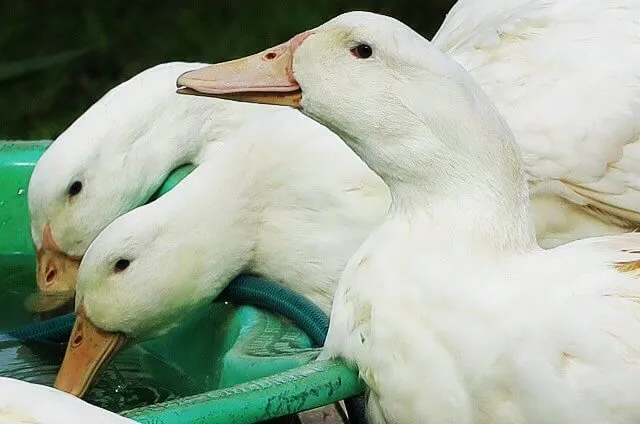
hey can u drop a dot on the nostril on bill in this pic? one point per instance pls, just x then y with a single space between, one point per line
51 275
77 340
270 56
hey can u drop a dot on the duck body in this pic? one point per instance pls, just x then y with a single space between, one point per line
534 337
28 403
570 98
494 329
450 310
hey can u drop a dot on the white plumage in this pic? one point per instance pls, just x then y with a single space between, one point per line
257 205
564 75
450 310
28 403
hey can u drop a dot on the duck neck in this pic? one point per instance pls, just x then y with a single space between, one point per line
186 131
458 178
219 245
471 209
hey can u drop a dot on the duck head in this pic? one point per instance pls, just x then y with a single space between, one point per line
127 292
350 74
413 114
153 266
111 160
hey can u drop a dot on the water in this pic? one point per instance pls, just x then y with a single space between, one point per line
17 282
135 378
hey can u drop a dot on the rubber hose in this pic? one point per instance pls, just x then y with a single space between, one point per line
278 300
52 330
244 290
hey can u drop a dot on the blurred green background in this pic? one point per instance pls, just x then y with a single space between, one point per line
59 57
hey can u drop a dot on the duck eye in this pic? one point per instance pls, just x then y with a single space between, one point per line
362 51
121 265
74 188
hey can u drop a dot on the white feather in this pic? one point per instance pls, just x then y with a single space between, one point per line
28 403
564 75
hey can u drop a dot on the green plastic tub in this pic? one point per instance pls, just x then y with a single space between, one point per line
243 364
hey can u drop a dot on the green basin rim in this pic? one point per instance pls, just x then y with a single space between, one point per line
307 387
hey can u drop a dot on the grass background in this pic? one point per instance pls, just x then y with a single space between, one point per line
59 57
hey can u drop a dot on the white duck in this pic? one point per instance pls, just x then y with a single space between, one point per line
451 311
28 403
113 158
255 205
564 75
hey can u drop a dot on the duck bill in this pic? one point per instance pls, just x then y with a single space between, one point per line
89 351
265 77
56 271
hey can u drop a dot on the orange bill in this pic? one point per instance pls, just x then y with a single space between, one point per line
265 77
89 351
56 270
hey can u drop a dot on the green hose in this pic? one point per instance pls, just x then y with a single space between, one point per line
244 290
264 294
55 330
